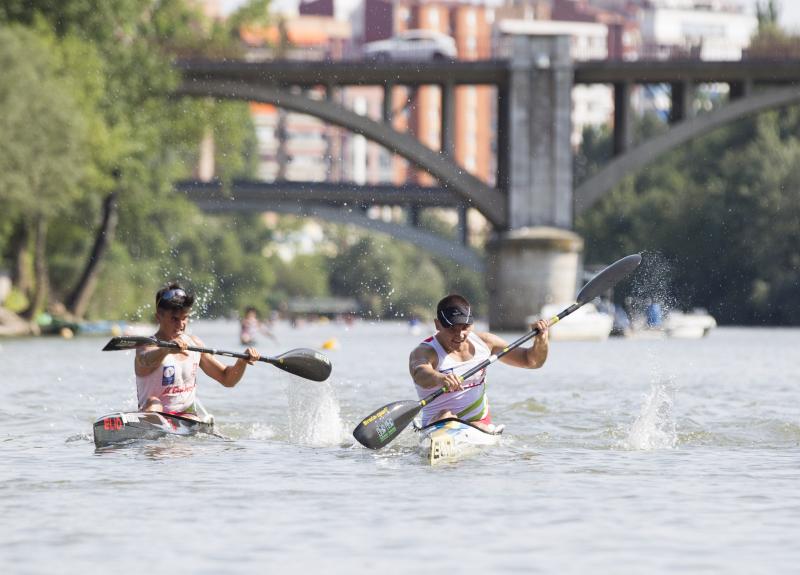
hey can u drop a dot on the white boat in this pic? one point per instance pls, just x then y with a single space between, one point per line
587 323
693 325
452 439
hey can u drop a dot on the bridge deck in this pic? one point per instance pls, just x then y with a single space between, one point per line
493 72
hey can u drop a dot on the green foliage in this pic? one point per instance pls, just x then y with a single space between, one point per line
43 148
770 40
724 211
767 14
16 301
595 151
464 281
432 221
86 111
389 278
103 22
304 276
254 12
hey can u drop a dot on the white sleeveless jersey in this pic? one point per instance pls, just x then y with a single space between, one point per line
470 404
174 382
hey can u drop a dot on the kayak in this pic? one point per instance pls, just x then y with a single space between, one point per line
452 439
122 427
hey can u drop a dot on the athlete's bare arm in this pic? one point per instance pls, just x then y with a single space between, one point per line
227 375
529 357
422 366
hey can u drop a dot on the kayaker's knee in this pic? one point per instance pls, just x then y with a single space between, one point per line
444 415
153 404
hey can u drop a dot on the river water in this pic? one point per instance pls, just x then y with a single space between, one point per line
628 456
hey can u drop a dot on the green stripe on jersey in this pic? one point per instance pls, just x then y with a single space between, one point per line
478 403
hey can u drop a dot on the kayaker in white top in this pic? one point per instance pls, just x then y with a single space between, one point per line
453 350
166 379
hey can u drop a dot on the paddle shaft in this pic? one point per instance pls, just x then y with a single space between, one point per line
305 363
493 358
173 345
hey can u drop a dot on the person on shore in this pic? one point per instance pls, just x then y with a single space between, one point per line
453 350
251 325
166 379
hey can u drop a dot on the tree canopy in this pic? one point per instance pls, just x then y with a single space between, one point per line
724 213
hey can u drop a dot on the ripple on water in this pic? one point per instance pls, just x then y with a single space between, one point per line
530 405
562 493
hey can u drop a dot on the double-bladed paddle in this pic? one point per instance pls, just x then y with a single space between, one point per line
303 362
384 424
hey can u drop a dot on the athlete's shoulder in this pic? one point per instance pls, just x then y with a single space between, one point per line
424 348
490 339
194 340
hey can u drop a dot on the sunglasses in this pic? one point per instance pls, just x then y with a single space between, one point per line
173 297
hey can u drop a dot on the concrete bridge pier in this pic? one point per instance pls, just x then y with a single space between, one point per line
536 260
527 269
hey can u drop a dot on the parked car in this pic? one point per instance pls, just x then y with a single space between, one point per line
413 45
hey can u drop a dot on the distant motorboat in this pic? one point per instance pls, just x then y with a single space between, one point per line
693 325
587 323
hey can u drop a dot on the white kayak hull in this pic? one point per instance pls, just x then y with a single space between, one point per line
452 439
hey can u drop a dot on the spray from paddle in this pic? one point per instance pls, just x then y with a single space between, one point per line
314 415
655 426
651 295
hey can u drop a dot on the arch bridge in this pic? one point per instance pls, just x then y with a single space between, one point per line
532 202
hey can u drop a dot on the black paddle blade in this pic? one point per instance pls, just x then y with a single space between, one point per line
128 342
383 425
303 362
608 278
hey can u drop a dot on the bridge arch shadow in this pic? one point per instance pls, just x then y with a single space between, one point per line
428 241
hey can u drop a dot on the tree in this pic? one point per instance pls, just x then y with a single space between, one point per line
44 144
389 278
138 142
770 41
724 212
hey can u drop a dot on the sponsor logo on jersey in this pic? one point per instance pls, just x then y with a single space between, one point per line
168 375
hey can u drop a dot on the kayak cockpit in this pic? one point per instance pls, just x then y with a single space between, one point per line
123 427
451 439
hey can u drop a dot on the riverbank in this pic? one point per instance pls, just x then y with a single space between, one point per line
12 325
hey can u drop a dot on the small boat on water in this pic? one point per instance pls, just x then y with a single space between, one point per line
452 439
124 427
587 324
693 325
676 324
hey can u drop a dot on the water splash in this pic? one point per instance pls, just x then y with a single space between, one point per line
314 414
651 286
655 427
